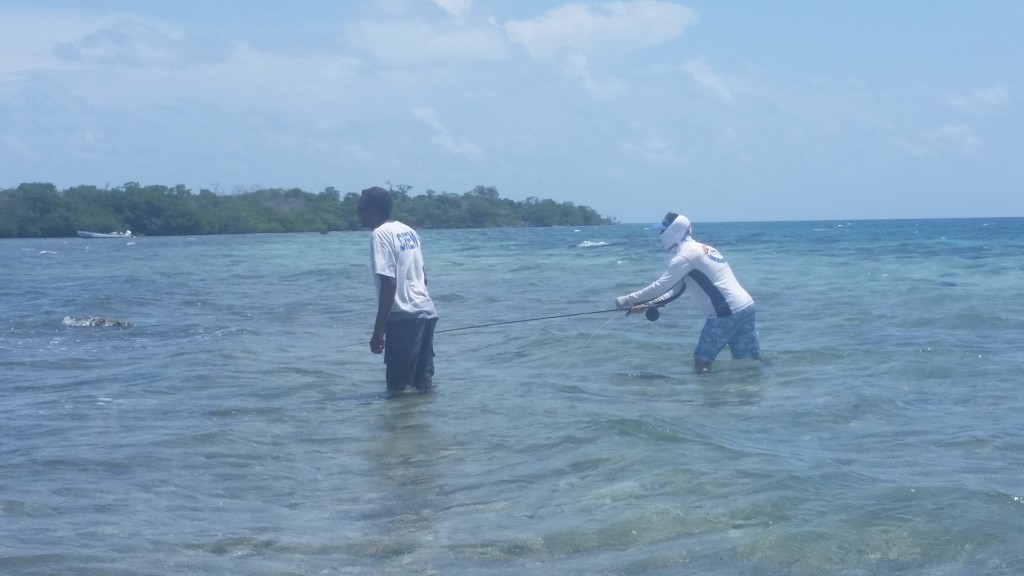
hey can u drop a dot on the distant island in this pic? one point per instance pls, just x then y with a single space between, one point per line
38 210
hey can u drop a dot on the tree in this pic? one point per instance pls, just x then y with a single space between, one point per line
39 209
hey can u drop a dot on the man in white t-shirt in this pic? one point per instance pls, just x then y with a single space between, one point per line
702 272
404 329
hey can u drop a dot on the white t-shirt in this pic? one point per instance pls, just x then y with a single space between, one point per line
395 252
708 278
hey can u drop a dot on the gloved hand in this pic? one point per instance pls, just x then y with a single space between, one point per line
622 302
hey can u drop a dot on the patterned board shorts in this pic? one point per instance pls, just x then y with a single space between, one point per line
738 332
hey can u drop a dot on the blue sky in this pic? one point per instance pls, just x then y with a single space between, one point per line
722 110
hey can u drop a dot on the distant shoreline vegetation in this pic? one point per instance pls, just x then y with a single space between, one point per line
36 210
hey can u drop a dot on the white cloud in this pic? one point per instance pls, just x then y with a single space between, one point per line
408 43
463 147
300 82
702 73
16 149
654 149
613 26
127 43
958 137
577 67
908 147
61 40
29 36
981 99
456 8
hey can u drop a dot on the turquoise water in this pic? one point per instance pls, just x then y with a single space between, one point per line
239 426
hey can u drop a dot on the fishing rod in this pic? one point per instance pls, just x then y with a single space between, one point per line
650 307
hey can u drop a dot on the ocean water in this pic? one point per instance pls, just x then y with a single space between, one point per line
238 425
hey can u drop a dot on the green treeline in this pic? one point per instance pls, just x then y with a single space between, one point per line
34 210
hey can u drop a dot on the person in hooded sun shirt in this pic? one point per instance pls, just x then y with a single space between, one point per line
701 272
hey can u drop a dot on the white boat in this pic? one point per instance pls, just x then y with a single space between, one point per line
125 234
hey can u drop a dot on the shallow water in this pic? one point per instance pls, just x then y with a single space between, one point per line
238 424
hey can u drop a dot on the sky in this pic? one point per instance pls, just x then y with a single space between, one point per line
723 110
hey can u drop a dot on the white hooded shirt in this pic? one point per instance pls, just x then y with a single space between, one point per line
707 278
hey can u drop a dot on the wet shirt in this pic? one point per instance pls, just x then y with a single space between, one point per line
395 252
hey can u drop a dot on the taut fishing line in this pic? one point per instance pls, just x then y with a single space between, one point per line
526 320
584 345
651 313
476 326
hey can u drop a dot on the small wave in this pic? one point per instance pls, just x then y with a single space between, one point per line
94 321
589 244
47 252
449 297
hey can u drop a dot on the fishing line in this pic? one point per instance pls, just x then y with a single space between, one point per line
584 345
526 320
651 312
476 326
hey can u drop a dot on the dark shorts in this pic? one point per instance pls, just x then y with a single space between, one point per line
409 353
738 331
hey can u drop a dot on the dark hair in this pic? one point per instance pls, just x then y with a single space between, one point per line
379 199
